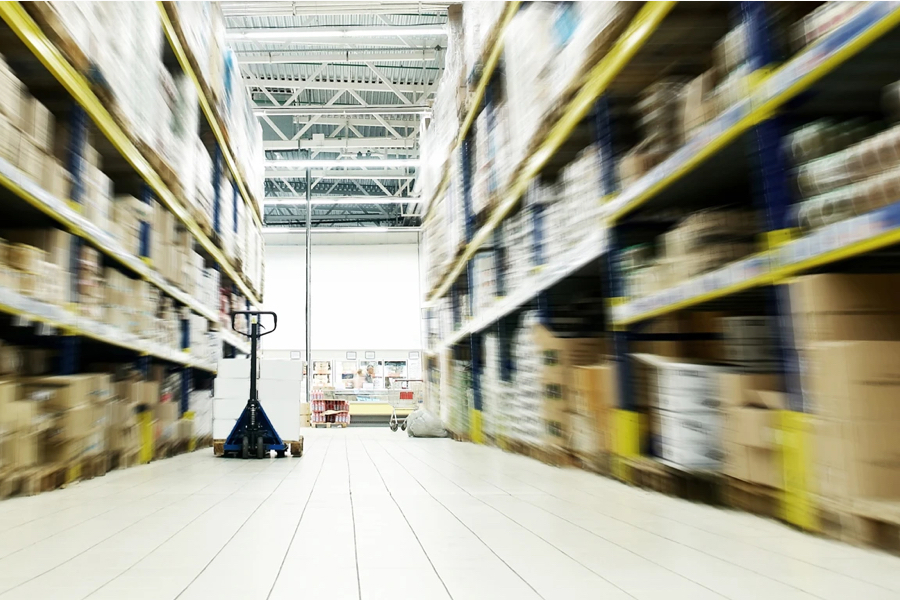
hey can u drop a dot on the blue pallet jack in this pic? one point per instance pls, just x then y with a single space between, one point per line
253 434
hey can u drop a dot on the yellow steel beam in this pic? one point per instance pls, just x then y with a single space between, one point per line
212 116
640 30
490 65
79 88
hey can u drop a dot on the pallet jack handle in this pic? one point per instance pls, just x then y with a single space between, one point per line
250 314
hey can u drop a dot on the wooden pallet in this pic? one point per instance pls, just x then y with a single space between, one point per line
599 463
651 474
17 483
124 459
874 523
329 425
552 456
753 498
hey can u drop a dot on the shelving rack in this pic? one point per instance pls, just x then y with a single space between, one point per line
715 151
47 63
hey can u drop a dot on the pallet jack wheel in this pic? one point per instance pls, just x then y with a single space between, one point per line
279 453
260 447
245 447
393 426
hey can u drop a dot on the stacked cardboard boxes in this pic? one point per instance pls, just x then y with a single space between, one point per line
684 397
540 409
847 329
750 404
593 398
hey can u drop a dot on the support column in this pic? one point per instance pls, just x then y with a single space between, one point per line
772 196
217 189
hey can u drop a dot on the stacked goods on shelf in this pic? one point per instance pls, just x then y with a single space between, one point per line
842 169
438 138
822 21
685 398
750 407
657 112
200 403
479 19
519 252
456 393
528 49
700 243
539 407
847 331
329 410
593 398
584 32
159 111
484 283
750 344
77 426
494 391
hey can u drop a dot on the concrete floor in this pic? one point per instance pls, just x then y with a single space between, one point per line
367 513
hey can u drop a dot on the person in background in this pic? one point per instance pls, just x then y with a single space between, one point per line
359 379
370 374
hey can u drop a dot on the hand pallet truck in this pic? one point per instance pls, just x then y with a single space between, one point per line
253 434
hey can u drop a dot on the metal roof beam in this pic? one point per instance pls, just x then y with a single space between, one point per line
337 144
317 84
344 109
333 174
313 56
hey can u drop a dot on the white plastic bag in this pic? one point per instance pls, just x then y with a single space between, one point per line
421 423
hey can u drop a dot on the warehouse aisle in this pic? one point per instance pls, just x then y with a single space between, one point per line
370 514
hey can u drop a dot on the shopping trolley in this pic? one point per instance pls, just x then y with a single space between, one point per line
405 401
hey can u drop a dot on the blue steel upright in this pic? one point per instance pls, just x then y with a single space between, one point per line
70 344
217 189
772 196
603 135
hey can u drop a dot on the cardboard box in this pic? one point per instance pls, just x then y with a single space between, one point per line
64 450
10 94
741 389
148 393
754 465
856 380
692 441
74 423
291 370
8 394
857 459
55 244
59 393
9 141
30 159
698 104
681 386
594 389
838 293
811 328
37 122
166 413
25 258
19 450
751 426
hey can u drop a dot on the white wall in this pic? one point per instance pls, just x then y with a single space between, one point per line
364 296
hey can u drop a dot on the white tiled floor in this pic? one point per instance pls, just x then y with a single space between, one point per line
371 514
